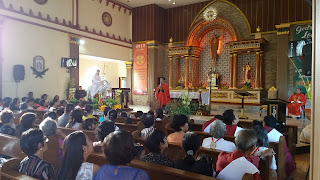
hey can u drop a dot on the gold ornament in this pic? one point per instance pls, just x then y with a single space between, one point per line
210 14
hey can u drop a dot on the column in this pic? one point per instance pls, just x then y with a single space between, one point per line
177 71
234 73
282 60
74 53
197 71
170 72
193 72
257 71
1 57
261 70
231 71
129 79
187 72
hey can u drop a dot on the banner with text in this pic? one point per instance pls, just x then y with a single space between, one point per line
140 69
301 58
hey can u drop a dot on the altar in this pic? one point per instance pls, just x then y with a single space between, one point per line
219 95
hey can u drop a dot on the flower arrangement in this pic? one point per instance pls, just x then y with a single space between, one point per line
224 86
180 106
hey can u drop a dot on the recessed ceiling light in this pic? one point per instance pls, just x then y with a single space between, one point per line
169 0
174 2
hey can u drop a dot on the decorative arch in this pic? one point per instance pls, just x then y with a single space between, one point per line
225 1
202 27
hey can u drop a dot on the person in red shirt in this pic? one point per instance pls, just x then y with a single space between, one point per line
231 121
206 125
295 102
162 93
240 161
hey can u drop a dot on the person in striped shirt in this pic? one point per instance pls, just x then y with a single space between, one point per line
33 143
147 121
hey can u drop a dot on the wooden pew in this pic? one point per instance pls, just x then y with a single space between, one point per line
91 134
9 171
290 133
176 152
122 119
52 154
10 146
155 171
130 127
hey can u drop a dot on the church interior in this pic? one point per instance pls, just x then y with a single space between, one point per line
122 62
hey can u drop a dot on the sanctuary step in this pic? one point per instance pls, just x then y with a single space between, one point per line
219 108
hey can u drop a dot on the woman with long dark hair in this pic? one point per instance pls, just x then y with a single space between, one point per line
14 105
75 120
76 149
191 144
26 122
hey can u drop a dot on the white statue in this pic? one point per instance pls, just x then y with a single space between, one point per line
97 85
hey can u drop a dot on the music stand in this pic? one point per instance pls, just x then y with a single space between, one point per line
243 94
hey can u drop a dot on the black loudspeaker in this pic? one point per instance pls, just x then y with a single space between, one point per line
306 62
18 72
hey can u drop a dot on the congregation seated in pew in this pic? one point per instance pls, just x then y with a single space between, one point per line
218 131
102 131
90 124
148 121
88 111
180 126
76 120
15 105
231 121
7 126
76 147
269 123
64 118
27 121
49 128
156 143
33 143
118 156
191 143
240 161
262 147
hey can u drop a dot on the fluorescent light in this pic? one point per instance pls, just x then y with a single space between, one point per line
174 2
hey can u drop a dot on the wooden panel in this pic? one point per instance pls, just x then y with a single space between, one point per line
152 22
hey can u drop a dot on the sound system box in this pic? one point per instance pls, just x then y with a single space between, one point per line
18 72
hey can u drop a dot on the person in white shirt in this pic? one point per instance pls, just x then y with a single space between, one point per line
218 131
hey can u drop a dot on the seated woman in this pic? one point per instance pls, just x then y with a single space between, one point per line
30 103
42 105
49 128
156 143
191 144
88 110
159 115
54 104
102 131
75 121
269 123
90 124
262 147
218 131
76 149
112 116
147 121
118 156
180 126
15 104
105 114
26 122
234 165
7 125
33 144
231 121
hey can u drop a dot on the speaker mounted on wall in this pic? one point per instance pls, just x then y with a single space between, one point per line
18 72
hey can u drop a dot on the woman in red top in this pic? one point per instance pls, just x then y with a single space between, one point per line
231 122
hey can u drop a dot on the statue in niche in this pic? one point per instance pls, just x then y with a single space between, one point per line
247 75
213 77
214 48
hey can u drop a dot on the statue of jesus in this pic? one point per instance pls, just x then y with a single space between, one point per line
214 49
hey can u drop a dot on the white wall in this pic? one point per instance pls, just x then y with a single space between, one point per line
21 43
111 70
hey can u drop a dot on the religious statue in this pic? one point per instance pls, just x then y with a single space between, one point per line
247 75
215 48
213 76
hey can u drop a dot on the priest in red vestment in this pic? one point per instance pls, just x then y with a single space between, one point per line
295 102
162 93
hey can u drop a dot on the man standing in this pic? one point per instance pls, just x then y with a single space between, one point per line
162 93
295 102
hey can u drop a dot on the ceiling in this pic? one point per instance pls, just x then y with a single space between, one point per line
162 3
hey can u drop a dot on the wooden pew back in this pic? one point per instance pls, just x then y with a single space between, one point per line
10 146
9 171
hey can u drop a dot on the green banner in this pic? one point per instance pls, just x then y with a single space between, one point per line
302 47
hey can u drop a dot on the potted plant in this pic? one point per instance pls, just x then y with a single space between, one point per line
180 106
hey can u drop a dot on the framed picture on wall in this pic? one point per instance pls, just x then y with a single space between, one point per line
38 63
